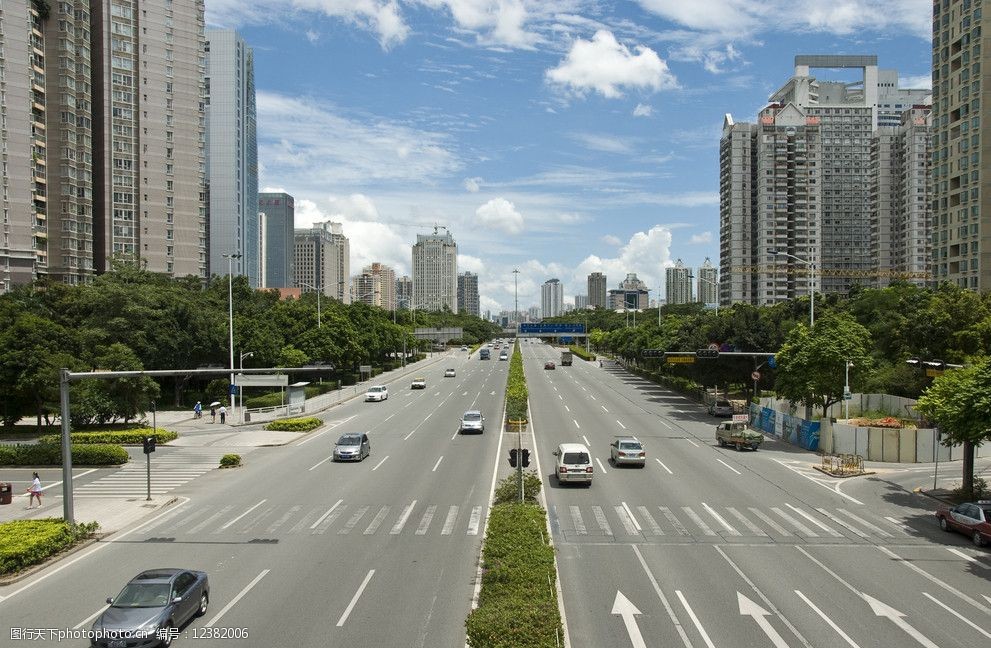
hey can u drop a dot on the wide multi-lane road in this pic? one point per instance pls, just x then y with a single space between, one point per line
307 552
707 547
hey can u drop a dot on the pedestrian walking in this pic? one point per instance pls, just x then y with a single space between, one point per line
223 414
35 491
213 414
198 410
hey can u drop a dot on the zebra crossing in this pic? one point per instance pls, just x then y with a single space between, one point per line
265 520
706 522
169 470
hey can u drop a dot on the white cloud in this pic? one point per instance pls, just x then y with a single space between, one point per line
501 214
643 110
605 65
470 263
473 184
704 237
609 239
646 253
311 36
501 22
604 143
915 82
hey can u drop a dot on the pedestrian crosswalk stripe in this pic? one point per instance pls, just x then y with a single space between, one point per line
795 523
842 523
655 528
770 522
426 520
831 531
904 528
397 528
282 520
257 520
706 529
452 516
726 525
675 522
474 520
360 513
205 523
600 519
377 520
305 522
876 529
751 527
577 521
631 528
321 526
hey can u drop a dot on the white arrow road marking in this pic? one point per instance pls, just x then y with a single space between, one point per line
354 601
957 614
882 610
623 607
827 620
751 609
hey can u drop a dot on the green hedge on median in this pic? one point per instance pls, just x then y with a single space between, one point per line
517 604
125 437
29 542
83 454
295 425
516 391
580 352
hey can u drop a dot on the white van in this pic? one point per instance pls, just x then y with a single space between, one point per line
574 464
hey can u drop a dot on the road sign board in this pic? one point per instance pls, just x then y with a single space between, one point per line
755 375
262 380
772 363
741 418
535 328
681 359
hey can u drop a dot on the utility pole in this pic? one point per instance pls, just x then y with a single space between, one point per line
516 299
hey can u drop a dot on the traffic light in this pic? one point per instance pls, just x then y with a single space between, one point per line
526 458
513 457
149 445
652 353
707 353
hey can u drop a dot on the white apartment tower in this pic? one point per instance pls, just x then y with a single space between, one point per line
468 293
323 261
383 283
707 285
551 298
678 289
435 271
232 153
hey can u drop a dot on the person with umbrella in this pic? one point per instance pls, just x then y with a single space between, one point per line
213 411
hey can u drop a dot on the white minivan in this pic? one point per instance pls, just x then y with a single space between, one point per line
574 464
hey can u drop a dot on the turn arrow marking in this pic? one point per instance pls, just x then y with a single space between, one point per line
625 608
882 610
751 609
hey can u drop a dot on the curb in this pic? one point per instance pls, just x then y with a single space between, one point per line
919 491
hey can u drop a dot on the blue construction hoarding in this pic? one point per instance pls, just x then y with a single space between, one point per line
532 328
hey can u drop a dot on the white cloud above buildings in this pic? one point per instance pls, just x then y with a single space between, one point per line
500 214
606 66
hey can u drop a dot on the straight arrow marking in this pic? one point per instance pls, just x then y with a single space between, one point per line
759 614
625 608
882 610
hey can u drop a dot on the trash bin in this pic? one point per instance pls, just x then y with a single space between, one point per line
247 417
6 493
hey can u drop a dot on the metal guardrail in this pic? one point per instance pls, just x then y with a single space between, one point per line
842 464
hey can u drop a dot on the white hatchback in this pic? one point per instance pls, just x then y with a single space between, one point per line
377 393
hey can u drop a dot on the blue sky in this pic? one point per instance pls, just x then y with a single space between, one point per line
559 137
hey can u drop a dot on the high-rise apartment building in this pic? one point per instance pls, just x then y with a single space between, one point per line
632 294
148 134
404 291
707 285
435 272
679 284
323 260
581 302
468 293
551 298
366 288
597 290
277 226
232 153
961 189
901 211
383 283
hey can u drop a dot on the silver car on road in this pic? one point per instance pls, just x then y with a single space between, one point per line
472 421
353 446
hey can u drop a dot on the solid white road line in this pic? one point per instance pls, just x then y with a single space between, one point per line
957 614
324 516
795 523
699 522
560 397
90 618
830 572
634 519
825 618
237 598
729 466
692 442
695 619
354 600
842 523
439 459
961 554
753 528
620 424
663 466
243 514
664 601
876 529
600 465
381 462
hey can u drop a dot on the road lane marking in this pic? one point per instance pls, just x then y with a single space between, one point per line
825 618
603 468
655 528
957 614
962 555
90 618
830 572
586 440
664 600
426 520
753 528
577 521
834 487
360 513
729 466
567 408
663 466
389 417
904 528
354 600
401 522
205 523
675 522
842 523
604 408
243 514
620 424
706 529
324 516
636 524
320 463
381 462
831 531
878 530
240 595
329 427
695 619
377 521
409 435
282 520
473 520
770 522
795 523
591 396
452 516
726 525
600 519
665 424
439 459
560 397
692 442
576 422
465 394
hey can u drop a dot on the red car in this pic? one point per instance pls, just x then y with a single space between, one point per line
971 518
548 365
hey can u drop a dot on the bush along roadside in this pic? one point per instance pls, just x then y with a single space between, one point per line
230 461
30 542
83 454
295 424
121 437
516 391
580 352
517 604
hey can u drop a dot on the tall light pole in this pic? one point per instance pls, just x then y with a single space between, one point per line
240 389
812 281
846 391
711 283
516 299
230 312
317 291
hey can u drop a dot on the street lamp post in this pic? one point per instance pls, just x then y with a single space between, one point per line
846 391
240 389
317 291
516 299
812 281
230 312
711 283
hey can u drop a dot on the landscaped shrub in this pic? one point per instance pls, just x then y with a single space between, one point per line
295 424
580 352
93 454
508 489
517 604
516 391
230 461
29 542
127 437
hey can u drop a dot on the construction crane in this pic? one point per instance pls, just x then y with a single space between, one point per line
435 226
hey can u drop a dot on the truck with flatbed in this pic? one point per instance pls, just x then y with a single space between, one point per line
738 434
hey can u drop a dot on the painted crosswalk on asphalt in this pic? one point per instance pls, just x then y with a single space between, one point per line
713 523
342 518
168 472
